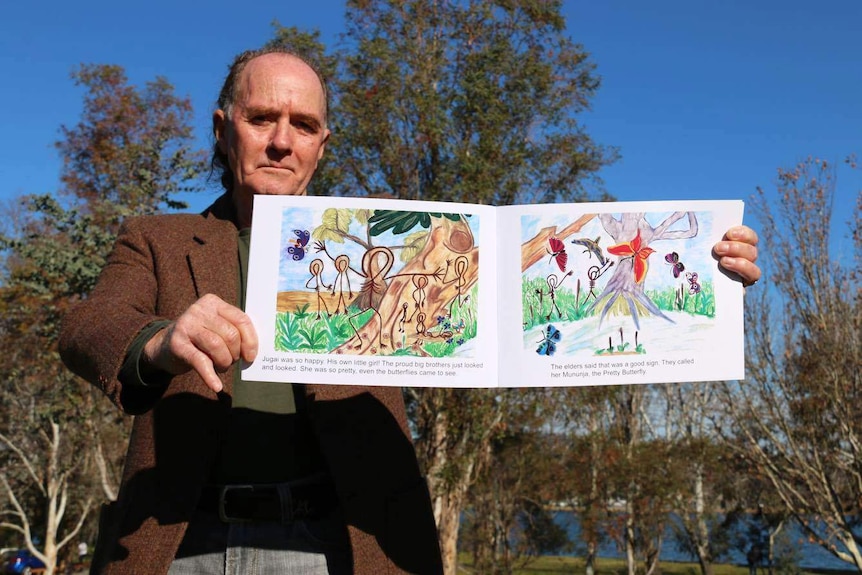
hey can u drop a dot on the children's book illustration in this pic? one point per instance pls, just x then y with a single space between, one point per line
377 282
391 292
632 283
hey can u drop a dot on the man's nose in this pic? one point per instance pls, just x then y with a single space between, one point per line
282 137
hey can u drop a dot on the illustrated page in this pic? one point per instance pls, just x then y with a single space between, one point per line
373 292
618 293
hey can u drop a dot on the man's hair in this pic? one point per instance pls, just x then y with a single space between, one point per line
230 90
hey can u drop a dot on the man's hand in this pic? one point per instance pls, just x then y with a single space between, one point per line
208 337
737 252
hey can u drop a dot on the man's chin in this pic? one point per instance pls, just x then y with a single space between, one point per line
277 187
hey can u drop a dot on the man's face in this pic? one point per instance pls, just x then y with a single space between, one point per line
276 133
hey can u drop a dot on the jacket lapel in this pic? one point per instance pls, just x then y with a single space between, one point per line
212 256
213 261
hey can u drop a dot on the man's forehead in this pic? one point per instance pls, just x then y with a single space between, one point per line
268 73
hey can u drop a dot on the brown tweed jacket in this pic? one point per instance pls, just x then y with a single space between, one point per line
159 266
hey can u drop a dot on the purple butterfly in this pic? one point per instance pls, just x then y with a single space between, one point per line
693 287
673 259
297 247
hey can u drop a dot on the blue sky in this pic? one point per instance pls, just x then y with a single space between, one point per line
704 99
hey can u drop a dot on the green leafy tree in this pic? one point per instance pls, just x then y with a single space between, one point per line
461 100
131 153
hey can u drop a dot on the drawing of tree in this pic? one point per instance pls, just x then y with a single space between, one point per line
623 294
427 252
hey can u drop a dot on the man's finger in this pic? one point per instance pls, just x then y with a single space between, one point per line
246 334
202 364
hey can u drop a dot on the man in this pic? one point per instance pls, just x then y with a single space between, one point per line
337 488
224 476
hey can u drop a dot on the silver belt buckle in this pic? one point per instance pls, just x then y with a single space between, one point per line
221 497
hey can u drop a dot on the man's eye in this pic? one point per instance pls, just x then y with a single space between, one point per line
259 120
306 126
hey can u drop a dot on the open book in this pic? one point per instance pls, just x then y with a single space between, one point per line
406 293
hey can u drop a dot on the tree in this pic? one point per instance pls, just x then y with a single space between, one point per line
465 100
586 417
642 479
63 443
130 153
624 292
797 417
508 523
468 99
704 489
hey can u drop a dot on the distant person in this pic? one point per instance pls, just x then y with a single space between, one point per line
224 474
754 557
82 551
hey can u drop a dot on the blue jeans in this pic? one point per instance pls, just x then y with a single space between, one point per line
318 547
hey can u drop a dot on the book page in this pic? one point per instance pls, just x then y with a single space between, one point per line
373 292
617 293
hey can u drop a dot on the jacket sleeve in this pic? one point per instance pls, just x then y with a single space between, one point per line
97 333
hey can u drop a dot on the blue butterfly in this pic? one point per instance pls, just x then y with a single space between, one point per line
297 247
548 344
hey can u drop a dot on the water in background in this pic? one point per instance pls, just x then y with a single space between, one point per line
809 555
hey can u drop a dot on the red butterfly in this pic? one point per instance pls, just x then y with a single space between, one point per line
558 252
633 249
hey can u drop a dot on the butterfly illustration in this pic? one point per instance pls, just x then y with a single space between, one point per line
673 259
592 247
548 344
693 286
558 252
637 252
297 247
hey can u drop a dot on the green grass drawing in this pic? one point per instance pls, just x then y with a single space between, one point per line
302 331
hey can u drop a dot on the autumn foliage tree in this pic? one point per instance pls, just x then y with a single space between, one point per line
129 154
508 523
798 415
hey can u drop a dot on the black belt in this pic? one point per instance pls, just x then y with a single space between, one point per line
281 502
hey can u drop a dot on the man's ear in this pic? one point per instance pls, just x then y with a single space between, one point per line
323 144
219 127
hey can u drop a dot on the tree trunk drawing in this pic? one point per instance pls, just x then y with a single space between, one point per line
408 302
623 294
536 248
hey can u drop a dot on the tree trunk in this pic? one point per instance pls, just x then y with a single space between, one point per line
631 428
449 490
631 561
405 304
623 295
770 558
590 559
704 554
593 500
